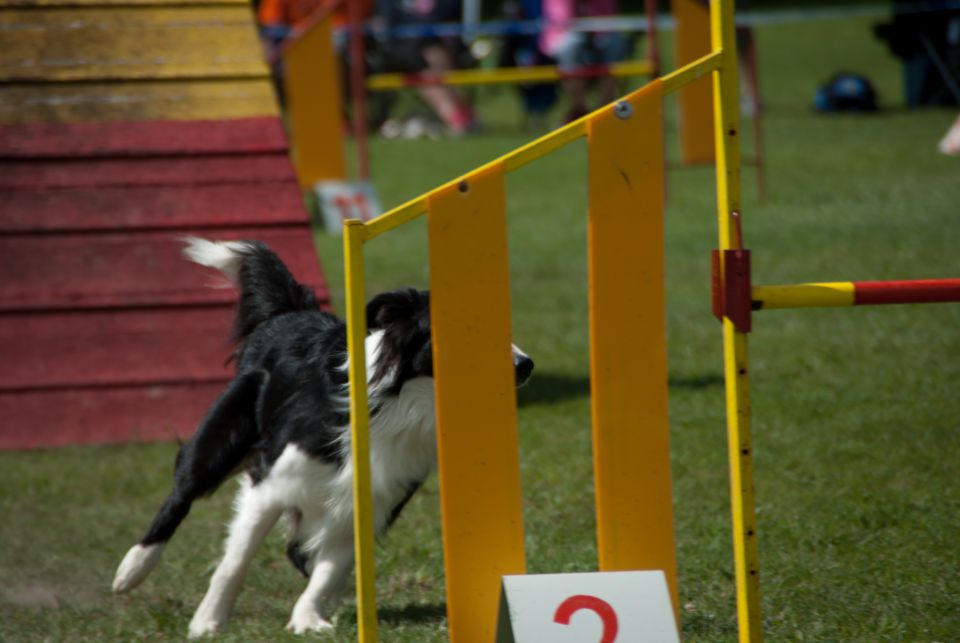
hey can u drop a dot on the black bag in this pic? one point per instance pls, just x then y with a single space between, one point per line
846 92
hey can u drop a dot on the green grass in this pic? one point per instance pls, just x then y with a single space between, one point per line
855 411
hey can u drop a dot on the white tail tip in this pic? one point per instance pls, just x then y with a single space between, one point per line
225 256
136 566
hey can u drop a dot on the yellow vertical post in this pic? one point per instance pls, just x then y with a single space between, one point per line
314 106
479 462
692 41
354 235
631 440
739 441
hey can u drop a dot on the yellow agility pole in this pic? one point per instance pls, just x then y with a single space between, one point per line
631 442
736 373
856 293
538 148
478 450
354 234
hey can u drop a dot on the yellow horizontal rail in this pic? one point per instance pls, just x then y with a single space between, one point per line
813 295
510 161
694 71
538 73
536 149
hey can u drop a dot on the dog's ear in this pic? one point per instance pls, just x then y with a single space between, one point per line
395 307
423 360
404 317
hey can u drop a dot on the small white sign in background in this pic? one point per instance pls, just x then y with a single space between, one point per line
342 200
598 607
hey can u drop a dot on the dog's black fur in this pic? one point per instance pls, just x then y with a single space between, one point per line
290 391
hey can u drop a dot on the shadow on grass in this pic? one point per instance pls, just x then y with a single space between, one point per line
413 613
547 388
708 625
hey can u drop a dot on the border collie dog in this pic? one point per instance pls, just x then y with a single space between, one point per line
284 421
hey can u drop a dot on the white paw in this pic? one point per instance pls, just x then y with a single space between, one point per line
204 626
308 621
135 566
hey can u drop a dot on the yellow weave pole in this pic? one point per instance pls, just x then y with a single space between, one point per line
312 83
736 372
479 462
354 235
628 379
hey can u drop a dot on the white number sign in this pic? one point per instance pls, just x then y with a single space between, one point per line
599 607
342 200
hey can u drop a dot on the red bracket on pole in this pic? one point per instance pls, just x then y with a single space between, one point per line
731 283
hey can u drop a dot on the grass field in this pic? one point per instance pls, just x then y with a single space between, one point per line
856 411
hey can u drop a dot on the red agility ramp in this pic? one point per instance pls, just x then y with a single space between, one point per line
112 151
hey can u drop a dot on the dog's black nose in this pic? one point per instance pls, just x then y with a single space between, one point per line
523 369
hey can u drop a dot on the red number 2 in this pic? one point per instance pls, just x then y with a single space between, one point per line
352 205
585 602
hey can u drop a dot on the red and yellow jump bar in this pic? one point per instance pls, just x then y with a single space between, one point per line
855 293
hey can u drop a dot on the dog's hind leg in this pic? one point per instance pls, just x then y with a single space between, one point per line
330 566
217 449
255 515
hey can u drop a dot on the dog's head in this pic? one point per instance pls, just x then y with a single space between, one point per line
405 348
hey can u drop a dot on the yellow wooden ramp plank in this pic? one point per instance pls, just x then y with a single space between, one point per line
136 101
314 106
692 41
116 3
628 359
476 399
129 43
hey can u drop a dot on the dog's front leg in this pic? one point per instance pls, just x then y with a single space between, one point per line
253 519
330 567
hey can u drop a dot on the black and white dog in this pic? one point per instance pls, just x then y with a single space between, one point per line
284 419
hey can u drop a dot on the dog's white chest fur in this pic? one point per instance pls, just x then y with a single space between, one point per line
317 498
402 453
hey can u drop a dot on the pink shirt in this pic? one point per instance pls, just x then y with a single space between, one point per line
557 15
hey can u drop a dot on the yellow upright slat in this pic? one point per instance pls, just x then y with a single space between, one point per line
628 358
476 399
692 41
315 107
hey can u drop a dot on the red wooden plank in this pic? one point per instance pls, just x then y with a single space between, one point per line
81 173
918 291
43 419
241 135
113 348
154 207
100 270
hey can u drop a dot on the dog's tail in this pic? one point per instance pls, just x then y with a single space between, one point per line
267 289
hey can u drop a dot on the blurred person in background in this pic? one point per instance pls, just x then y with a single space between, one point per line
427 54
573 49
